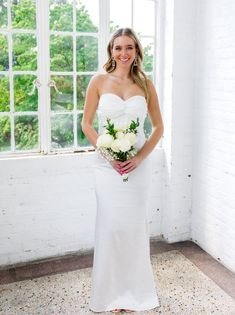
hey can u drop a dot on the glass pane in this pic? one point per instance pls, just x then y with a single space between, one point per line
26 132
5 133
61 15
81 138
23 14
62 131
4 94
24 52
147 44
3 13
120 14
87 53
4 64
23 87
62 98
87 15
61 51
143 17
147 127
82 83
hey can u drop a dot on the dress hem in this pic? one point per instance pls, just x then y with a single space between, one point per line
135 309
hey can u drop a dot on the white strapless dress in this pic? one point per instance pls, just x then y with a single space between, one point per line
122 275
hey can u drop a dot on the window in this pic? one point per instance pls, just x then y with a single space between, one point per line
49 51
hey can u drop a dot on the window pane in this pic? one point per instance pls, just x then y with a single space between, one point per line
143 17
87 15
23 100
61 15
26 132
147 127
24 52
87 53
120 14
62 98
5 133
24 14
82 83
61 51
4 64
147 44
4 94
62 131
81 138
3 13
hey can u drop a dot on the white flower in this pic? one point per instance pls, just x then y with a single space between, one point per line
104 141
124 145
131 137
115 146
119 135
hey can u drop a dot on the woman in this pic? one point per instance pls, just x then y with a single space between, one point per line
122 276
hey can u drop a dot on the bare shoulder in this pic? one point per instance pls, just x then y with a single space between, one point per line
153 97
97 81
151 87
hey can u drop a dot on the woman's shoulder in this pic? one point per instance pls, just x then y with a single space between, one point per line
99 77
150 85
98 81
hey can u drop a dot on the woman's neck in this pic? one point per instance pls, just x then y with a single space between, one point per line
123 74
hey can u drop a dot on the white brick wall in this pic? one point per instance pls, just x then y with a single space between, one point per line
177 111
48 206
213 218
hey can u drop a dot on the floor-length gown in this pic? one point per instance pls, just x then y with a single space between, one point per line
122 275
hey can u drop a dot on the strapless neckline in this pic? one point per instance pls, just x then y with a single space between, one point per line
115 95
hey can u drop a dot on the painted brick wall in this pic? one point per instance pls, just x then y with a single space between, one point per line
48 206
177 109
213 217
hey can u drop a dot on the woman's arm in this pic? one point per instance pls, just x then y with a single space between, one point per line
157 131
91 101
157 123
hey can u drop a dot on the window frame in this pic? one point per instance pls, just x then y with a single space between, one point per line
43 73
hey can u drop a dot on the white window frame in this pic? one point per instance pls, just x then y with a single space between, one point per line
43 72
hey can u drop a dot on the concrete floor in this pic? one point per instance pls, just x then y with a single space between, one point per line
189 281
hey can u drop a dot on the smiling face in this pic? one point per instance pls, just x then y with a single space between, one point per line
124 51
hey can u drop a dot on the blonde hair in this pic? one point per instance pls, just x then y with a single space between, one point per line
136 72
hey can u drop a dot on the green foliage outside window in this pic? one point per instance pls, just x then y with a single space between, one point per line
24 14
3 13
4 64
5 133
26 132
4 94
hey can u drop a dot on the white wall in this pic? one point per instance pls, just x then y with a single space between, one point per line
177 111
213 217
48 206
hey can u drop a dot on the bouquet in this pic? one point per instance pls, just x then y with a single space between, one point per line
118 143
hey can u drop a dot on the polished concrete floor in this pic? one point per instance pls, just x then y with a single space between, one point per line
190 282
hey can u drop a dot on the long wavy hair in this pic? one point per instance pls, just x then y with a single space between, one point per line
136 72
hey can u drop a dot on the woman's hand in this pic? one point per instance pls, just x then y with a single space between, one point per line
116 165
129 165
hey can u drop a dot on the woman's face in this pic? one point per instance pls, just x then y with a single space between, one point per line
124 51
